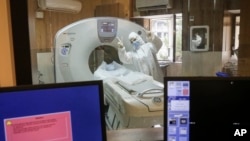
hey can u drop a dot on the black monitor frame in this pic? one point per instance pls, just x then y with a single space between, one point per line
98 84
217 111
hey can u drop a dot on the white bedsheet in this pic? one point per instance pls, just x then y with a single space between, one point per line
120 73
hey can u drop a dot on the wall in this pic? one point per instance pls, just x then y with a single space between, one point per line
7 68
196 13
244 41
232 4
127 4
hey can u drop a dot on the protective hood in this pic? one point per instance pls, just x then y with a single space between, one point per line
135 40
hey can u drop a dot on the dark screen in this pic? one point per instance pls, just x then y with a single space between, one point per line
63 112
218 108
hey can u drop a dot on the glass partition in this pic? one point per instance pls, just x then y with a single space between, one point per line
133 99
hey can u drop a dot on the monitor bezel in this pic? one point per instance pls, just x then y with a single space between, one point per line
192 78
99 83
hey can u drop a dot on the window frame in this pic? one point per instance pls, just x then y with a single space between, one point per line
172 32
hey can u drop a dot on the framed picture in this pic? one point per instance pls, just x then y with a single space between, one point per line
199 38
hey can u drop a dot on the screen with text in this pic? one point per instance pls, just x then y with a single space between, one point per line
60 112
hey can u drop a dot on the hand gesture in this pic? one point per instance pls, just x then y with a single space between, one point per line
150 35
119 42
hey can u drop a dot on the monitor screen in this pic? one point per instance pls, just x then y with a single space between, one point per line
206 108
53 112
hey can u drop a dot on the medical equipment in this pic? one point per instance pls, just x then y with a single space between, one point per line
134 99
73 46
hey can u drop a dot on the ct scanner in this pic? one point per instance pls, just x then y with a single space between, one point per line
134 100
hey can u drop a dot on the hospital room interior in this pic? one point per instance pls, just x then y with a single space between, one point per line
131 45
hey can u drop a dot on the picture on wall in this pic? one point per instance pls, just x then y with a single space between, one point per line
199 38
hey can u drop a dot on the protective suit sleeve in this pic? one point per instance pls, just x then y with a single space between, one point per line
156 41
150 36
125 57
152 47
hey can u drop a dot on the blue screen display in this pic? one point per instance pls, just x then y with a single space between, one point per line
178 111
71 112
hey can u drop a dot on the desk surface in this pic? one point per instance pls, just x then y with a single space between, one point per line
142 134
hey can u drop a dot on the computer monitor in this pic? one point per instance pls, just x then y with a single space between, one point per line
206 108
53 112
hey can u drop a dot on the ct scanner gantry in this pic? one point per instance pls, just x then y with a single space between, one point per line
73 46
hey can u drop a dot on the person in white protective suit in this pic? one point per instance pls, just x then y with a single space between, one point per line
143 56
197 41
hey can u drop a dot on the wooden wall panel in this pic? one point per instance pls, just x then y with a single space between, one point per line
244 27
144 22
217 24
205 12
112 10
176 7
244 40
126 4
47 27
232 4
185 26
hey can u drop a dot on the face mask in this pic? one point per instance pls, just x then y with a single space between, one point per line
136 45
